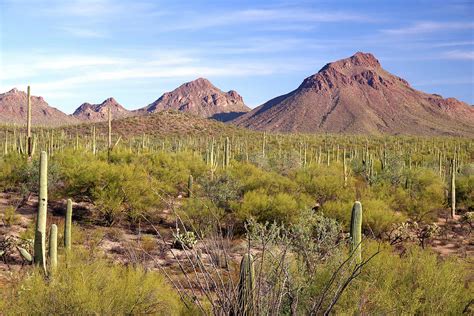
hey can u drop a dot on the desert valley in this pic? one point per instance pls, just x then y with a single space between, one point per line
350 193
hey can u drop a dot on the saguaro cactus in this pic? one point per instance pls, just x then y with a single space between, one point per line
453 188
109 139
53 247
356 231
40 232
226 152
28 127
190 185
68 226
344 164
94 150
246 286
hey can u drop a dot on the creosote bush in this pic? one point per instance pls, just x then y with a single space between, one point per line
92 286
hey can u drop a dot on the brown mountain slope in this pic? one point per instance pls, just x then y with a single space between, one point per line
356 95
202 98
13 110
98 112
164 123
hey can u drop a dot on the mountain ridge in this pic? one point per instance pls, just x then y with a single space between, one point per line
356 95
202 98
98 112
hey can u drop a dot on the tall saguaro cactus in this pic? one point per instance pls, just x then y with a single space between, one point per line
68 226
109 139
53 247
226 152
344 164
40 232
246 286
28 126
356 231
453 188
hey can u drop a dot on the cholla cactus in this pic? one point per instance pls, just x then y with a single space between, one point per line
185 240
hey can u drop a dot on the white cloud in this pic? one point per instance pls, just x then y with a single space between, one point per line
430 27
83 32
280 16
459 55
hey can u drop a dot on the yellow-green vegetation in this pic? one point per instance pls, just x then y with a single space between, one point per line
87 286
416 283
289 196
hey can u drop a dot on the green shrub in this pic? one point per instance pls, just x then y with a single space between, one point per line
200 214
88 287
417 283
377 216
281 207
324 183
422 195
465 188
252 178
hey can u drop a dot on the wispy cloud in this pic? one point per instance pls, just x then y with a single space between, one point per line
96 8
62 73
459 55
83 32
279 15
51 64
429 27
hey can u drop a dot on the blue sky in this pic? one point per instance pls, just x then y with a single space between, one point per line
75 51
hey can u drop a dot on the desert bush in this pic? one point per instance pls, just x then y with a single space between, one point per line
418 283
200 213
281 207
378 217
465 188
221 190
9 217
92 286
422 195
252 178
324 183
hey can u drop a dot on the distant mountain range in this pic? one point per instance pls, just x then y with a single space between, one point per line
202 98
98 112
352 95
13 110
356 95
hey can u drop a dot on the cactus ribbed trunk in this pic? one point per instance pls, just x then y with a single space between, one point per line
109 139
40 232
453 188
344 163
226 152
53 247
28 127
94 150
246 286
68 226
356 231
